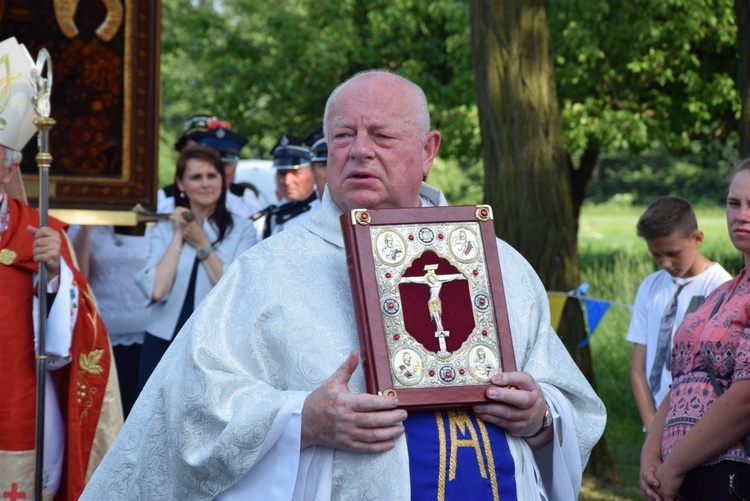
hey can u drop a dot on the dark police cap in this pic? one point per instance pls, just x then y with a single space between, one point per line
220 137
291 152
317 143
320 150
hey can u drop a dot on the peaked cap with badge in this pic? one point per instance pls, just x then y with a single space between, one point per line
191 129
220 136
290 152
316 141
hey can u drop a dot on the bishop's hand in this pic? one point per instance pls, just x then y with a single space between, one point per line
46 249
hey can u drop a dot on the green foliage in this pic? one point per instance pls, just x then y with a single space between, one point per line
461 186
631 76
634 75
268 66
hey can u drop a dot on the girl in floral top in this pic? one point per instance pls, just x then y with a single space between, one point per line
693 449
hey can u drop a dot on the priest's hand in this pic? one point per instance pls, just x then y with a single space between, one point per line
518 406
335 417
46 249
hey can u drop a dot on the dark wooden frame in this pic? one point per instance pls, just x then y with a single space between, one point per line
376 287
132 175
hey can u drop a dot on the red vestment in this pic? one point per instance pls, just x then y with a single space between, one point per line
86 388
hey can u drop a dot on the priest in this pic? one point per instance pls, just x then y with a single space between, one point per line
261 395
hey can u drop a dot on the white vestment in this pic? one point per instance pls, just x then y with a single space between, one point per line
223 406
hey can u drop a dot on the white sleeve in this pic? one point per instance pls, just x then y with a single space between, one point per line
282 461
61 319
638 328
559 463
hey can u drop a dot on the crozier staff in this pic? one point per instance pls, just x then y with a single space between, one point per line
260 396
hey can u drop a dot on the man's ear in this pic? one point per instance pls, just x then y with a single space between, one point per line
430 147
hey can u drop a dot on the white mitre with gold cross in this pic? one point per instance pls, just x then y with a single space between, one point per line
16 111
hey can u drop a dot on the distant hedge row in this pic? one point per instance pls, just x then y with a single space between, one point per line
701 178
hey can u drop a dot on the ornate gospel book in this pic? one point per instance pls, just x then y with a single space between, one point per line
429 302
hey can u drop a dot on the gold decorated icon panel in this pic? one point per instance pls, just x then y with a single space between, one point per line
436 304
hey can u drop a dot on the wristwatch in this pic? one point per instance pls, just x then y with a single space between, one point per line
203 253
546 422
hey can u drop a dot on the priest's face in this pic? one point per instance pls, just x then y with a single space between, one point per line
378 153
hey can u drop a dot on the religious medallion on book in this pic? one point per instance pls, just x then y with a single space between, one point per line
429 302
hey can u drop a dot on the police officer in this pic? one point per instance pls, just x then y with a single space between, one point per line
319 161
295 186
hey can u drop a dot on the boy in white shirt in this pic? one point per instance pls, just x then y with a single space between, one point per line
670 229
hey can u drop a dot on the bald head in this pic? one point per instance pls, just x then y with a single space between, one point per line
380 146
381 81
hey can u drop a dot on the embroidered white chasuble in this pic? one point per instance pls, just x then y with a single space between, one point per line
222 407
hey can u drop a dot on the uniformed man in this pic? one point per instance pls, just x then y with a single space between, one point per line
319 161
295 184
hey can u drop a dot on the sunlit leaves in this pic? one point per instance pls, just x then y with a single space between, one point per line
629 74
645 72
269 65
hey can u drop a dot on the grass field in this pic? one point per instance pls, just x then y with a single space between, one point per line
614 260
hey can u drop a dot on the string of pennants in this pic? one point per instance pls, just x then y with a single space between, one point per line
594 309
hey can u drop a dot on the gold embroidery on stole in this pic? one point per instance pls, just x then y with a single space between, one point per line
89 362
459 422
441 454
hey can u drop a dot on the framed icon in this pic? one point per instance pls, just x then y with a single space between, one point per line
429 301
105 99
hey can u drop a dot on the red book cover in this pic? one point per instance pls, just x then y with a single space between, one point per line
429 303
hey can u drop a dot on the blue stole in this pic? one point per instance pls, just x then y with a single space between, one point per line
455 455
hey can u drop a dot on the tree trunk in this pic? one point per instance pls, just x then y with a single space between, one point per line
742 12
527 172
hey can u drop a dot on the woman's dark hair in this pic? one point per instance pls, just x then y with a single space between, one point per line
221 216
